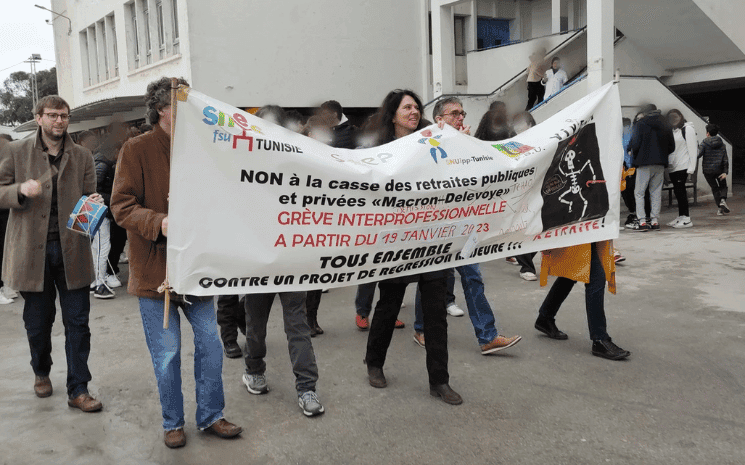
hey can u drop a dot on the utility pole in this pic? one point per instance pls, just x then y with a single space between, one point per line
35 57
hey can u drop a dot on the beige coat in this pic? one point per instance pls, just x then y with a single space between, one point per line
26 236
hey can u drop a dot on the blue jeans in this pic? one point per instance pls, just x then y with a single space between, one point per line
594 298
38 316
165 351
479 310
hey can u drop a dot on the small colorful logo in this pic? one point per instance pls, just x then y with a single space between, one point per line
513 149
434 143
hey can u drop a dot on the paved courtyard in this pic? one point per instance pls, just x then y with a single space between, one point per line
680 398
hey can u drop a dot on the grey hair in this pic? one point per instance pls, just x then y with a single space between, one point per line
158 96
440 105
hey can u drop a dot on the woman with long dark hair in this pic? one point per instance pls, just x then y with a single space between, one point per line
399 116
681 164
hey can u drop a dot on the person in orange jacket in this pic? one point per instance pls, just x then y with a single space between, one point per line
592 264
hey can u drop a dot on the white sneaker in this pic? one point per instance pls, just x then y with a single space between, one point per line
685 222
454 310
8 292
4 300
675 221
112 281
529 276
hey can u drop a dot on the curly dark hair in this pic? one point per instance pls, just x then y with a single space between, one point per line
158 96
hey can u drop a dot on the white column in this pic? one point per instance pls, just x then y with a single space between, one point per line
570 14
600 34
443 49
555 16
472 27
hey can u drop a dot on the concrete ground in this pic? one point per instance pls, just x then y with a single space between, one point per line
679 399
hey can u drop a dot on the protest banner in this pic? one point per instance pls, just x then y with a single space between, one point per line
257 208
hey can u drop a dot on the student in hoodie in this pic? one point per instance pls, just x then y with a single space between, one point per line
651 142
715 166
681 164
555 78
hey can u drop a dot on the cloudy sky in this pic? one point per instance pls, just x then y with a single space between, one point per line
23 31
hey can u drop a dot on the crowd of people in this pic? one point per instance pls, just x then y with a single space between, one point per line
130 174
657 146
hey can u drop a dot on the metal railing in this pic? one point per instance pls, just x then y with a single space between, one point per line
523 72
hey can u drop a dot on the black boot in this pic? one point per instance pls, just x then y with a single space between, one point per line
607 349
548 327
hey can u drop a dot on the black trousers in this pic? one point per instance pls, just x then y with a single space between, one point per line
231 316
312 301
526 262
718 187
3 227
118 241
435 325
679 178
536 91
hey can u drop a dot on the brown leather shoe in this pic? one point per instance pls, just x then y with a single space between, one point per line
446 393
43 386
174 438
224 429
85 403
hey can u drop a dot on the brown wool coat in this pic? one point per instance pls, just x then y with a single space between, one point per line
574 263
26 236
139 202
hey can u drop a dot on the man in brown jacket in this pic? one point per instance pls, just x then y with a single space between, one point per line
139 202
41 180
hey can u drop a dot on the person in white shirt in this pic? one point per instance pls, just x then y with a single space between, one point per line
555 78
681 164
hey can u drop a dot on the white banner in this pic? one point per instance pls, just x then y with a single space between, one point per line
257 208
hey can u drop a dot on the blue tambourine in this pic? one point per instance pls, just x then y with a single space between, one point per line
86 217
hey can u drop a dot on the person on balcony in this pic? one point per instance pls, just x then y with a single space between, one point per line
555 78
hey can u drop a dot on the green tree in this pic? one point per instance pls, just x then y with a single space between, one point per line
16 101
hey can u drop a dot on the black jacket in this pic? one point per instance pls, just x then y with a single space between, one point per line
345 136
105 159
652 140
714 152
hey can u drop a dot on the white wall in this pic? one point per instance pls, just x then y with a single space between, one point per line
728 15
292 53
83 13
541 17
631 60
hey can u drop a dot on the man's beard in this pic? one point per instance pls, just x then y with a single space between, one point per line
53 136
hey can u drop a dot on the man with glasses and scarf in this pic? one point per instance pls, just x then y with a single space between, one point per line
41 180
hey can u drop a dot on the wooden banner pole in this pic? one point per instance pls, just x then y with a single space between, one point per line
167 300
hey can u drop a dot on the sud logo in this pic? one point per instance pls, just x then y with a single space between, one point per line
434 143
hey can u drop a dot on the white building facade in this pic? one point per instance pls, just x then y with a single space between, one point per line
297 53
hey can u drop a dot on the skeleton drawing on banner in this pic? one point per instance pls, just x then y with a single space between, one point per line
574 189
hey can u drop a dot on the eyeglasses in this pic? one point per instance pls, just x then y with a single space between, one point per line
455 114
54 116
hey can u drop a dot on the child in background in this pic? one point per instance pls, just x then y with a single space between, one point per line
715 166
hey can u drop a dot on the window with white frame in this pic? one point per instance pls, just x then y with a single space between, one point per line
152 31
98 53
